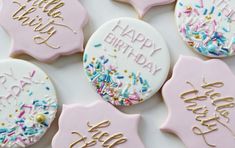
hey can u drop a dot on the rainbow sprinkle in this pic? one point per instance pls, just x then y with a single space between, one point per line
25 130
205 28
110 84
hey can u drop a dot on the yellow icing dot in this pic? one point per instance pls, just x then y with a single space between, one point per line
197 36
10 115
125 71
40 118
189 8
93 59
208 17
3 124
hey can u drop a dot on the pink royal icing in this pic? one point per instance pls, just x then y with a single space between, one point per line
97 125
143 6
202 106
42 29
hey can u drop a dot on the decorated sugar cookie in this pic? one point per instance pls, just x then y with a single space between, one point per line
208 26
28 103
201 102
143 6
127 61
44 29
98 125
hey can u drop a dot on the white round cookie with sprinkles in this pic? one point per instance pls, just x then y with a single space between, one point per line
28 103
127 61
208 26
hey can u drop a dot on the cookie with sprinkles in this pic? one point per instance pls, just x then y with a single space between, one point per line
127 61
208 26
28 103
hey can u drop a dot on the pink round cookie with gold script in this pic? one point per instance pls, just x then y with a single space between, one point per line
143 6
98 125
43 29
201 102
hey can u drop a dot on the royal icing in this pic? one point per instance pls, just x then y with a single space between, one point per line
208 26
143 6
127 61
28 103
102 126
202 106
44 29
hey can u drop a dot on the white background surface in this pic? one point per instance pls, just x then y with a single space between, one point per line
72 85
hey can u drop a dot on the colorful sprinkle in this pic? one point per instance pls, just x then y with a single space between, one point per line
105 78
205 27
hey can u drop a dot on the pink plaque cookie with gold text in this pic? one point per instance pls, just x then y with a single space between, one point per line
143 6
44 29
201 102
98 125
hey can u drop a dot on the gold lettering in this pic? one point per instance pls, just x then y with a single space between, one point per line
119 140
46 30
192 99
83 141
198 131
99 136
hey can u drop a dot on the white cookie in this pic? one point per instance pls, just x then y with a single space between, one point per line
127 61
28 103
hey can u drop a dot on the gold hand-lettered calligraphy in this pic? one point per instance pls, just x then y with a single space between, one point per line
209 121
46 29
106 139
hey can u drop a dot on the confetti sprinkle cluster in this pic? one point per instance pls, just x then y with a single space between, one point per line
26 130
109 82
25 116
206 28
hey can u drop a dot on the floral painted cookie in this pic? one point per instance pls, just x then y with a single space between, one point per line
98 125
208 26
143 6
201 102
28 103
127 61
44 29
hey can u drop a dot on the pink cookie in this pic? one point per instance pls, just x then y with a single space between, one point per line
200 98
43 29
142 6
98 125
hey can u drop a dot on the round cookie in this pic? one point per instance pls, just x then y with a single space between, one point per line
142 7
127 61
208 26
44 29
28 103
